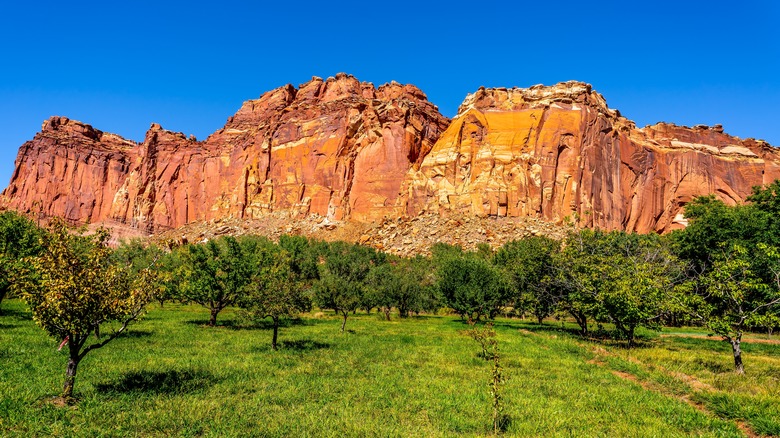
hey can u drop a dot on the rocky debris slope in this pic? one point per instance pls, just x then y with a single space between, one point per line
399 236
560 151
349 152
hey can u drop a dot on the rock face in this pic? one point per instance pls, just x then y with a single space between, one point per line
558 152
345 150
338 148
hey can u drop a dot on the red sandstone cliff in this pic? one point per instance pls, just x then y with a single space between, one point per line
347 150
557 152
339 148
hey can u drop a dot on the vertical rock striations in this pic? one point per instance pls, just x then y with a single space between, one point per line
337 147
558 152
345 149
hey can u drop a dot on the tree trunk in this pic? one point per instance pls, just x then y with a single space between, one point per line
582 321
276 331
70 376
630 333
539 319
344 323
386 310
735 348
213 319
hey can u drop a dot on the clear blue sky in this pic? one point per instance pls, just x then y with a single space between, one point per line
120 66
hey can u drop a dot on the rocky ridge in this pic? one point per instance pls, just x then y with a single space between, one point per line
338 148
560 151
381 165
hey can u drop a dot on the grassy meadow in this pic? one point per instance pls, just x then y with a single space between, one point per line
422 376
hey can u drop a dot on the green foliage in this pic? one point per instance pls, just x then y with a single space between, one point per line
472 286
73 290
767 200
342 285
733 297
442 251
625 279
713 225
732 250
138 256
278 288
303 256
406 284
531 267
19 238
215 274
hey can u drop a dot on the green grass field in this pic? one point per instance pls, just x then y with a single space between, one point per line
418 377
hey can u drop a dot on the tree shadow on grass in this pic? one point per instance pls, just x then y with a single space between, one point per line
14 313
267 324
223 323
303 345
160 382
135 334
300 345
413 317
612 338
247 324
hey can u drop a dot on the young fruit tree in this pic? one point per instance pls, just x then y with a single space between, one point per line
215 274
78 296
277 290
529 264
472 286
342 285
733 297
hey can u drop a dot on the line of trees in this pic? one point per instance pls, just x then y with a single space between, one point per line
722 272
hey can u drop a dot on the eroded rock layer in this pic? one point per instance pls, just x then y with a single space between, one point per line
345 150
339 148
559 152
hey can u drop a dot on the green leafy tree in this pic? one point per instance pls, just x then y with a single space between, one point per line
278 290
216 273
137 256
734 298
417 288
19 238
382 284
766 199
407 284
79 296
644 275
472 286
617 277
343 274
713 224
578 278
530 265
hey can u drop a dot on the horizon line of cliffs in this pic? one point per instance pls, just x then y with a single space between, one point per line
347 150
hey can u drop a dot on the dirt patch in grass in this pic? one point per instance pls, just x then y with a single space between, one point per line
691 381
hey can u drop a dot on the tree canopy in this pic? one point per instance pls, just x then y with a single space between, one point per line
76 293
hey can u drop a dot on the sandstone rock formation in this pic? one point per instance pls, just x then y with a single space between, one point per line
337 147
558 152
342 149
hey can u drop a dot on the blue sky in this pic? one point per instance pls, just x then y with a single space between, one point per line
120 66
